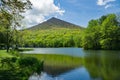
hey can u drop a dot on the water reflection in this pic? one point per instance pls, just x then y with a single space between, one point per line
76 74
97 65
105 66
43 76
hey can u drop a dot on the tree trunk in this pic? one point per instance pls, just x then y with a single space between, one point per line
7 48
7 41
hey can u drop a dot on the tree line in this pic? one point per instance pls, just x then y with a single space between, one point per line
52 38
102 33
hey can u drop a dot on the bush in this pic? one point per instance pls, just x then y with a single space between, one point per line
19 68
32 63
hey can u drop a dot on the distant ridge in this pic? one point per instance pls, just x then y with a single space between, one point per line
54 23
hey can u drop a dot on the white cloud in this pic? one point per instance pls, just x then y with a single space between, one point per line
40 10
107 6
104 2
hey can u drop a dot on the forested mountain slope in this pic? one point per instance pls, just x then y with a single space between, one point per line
55 23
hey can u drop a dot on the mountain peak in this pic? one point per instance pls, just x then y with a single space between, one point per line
53 18
55 23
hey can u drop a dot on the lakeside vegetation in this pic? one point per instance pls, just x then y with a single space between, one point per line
3 53
18 68
102 33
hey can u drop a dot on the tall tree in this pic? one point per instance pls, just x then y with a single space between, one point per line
14 8
110 31
91 36
5 22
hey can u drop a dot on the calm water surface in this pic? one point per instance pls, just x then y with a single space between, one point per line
97 64
65 51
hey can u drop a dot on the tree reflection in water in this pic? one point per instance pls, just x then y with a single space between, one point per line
103 66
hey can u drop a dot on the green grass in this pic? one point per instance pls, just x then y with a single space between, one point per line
55 64
3 53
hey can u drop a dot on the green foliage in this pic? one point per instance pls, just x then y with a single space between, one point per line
103 33
5 18
92 23
32 63
53 38
3 53
90 38
14 68
52 33
110 37
10 18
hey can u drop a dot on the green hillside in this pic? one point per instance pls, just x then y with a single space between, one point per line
52 38
53 33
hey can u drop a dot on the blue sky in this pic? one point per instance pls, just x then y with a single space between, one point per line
78 12
81 11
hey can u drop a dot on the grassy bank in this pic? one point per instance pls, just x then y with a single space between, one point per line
56 64
3 53
17 67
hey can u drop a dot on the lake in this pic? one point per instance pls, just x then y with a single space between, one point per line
62 51
97 64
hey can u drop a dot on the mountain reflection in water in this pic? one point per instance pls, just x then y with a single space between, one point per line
76 74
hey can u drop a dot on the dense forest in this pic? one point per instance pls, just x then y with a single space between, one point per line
52 38
102 33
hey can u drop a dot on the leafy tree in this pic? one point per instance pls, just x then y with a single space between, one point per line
15 8
90 39
109 31
103 33
93 23
15 68
5 22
